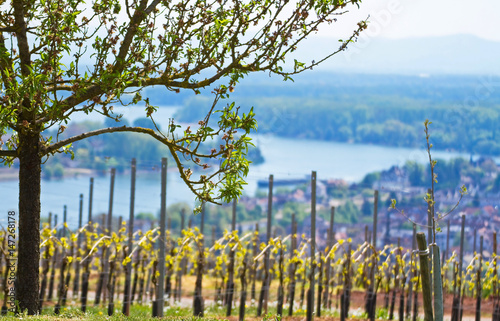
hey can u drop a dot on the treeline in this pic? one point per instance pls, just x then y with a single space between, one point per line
482 173
382 110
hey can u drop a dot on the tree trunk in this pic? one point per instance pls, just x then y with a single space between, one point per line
29 222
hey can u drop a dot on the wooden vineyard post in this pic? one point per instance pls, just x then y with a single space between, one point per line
292 267
243 296
403 283
160 291
415 297
168 276
180 271
55 225
411 273
178 277
329 293
43 286
111 195
264 292
111 287
328 267
279 309
67 275
110 230
417 275
60 291
86 266
425 276
91 198
76 282
387 293
128 266
365 273
45 270
371 297
446 252
456 312
496 305
396 282
230 270
54 264
101 280
267 276
136 275
303 281
348 285
438 285
310 292
479 285
460 269
436 266
142 279
346 292
103 277
85 276
320 283
474 239
62 231
455 309
253 276
65 220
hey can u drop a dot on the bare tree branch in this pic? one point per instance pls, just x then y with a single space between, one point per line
8 153
7 29
22 39
56 146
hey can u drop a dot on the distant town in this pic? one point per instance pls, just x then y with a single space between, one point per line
354 205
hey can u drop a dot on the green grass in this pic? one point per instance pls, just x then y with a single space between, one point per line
137 312
143 312
177 313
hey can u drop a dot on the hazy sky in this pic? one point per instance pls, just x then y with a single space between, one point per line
422 18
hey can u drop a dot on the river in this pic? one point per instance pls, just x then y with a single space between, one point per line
284 158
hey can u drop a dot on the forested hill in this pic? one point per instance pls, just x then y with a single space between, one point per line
376 109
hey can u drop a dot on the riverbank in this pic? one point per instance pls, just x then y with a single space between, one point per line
12 174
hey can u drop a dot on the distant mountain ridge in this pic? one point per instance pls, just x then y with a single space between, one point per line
456 54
